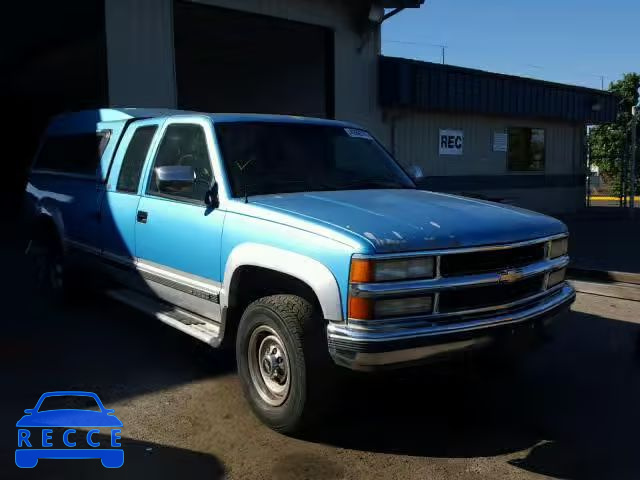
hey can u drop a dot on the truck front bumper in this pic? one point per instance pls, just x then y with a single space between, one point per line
360 349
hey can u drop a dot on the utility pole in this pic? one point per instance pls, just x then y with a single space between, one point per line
634 152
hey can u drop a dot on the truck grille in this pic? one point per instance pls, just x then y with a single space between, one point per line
491 261
488 296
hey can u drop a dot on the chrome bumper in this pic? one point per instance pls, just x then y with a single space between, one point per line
362 349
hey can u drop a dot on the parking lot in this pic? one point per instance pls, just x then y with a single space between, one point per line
569 410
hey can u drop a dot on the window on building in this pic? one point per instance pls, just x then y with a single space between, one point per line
78 154
134 159
526 149
185 145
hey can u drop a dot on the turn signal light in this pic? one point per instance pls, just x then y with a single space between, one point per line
361 308
362 271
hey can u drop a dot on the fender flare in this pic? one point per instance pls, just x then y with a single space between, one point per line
304 268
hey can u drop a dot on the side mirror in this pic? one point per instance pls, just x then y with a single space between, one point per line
415 172
109 411
29 411
211 197
175 178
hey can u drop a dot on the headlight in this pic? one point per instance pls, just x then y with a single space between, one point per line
363 271
559 248
371 309
403 307
368 271
556 277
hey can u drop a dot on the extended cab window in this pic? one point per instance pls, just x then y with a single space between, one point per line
184 145
78 153
134 158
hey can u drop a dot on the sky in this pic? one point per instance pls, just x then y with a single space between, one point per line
567 41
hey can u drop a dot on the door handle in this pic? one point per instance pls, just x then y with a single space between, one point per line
142 216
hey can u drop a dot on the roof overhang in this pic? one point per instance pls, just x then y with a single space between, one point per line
432 87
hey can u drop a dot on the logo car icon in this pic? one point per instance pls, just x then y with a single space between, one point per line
68 418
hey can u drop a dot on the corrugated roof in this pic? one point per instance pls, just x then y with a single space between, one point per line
429 86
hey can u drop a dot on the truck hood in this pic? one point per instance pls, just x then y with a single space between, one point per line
413 220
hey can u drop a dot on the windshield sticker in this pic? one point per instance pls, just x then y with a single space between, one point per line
357 133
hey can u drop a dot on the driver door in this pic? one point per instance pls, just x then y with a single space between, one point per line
177 235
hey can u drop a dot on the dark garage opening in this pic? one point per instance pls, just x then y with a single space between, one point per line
232 61
53 59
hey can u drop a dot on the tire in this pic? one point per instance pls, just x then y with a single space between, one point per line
283 362
46 263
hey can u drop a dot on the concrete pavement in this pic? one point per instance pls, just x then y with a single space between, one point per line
569 410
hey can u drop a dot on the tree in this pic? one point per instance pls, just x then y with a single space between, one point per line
608 143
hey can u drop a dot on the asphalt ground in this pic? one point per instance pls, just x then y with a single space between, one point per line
568 410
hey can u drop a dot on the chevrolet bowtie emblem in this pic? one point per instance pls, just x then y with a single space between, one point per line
510 276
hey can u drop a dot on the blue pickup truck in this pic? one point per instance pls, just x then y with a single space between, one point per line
299 241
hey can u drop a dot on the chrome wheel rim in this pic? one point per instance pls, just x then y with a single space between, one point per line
269 365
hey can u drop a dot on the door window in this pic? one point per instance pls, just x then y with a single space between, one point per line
134 158
184 145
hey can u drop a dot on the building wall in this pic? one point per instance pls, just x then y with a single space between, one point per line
480 170
141 62
140 53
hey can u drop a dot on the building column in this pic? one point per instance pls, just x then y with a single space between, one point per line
140 53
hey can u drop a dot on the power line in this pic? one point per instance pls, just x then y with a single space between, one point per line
440 46
529 65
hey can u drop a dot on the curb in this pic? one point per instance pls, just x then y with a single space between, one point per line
612 290
604 276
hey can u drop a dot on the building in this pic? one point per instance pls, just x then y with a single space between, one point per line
500 137
476 133
303 57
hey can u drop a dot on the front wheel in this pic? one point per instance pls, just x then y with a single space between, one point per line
282 361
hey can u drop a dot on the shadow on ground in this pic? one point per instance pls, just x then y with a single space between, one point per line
141 460
92 344
604 239
571 407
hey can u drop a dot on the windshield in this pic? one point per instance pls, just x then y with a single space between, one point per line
268 158
62 402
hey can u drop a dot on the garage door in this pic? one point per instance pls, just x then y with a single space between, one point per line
232 61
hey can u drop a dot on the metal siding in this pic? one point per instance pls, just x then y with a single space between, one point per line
561 187
141 63
417 143
140 53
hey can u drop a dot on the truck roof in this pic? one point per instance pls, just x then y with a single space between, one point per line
86 120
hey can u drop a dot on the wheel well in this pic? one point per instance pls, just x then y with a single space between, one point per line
250 283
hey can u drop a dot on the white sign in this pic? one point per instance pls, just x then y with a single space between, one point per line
451 142
500 142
